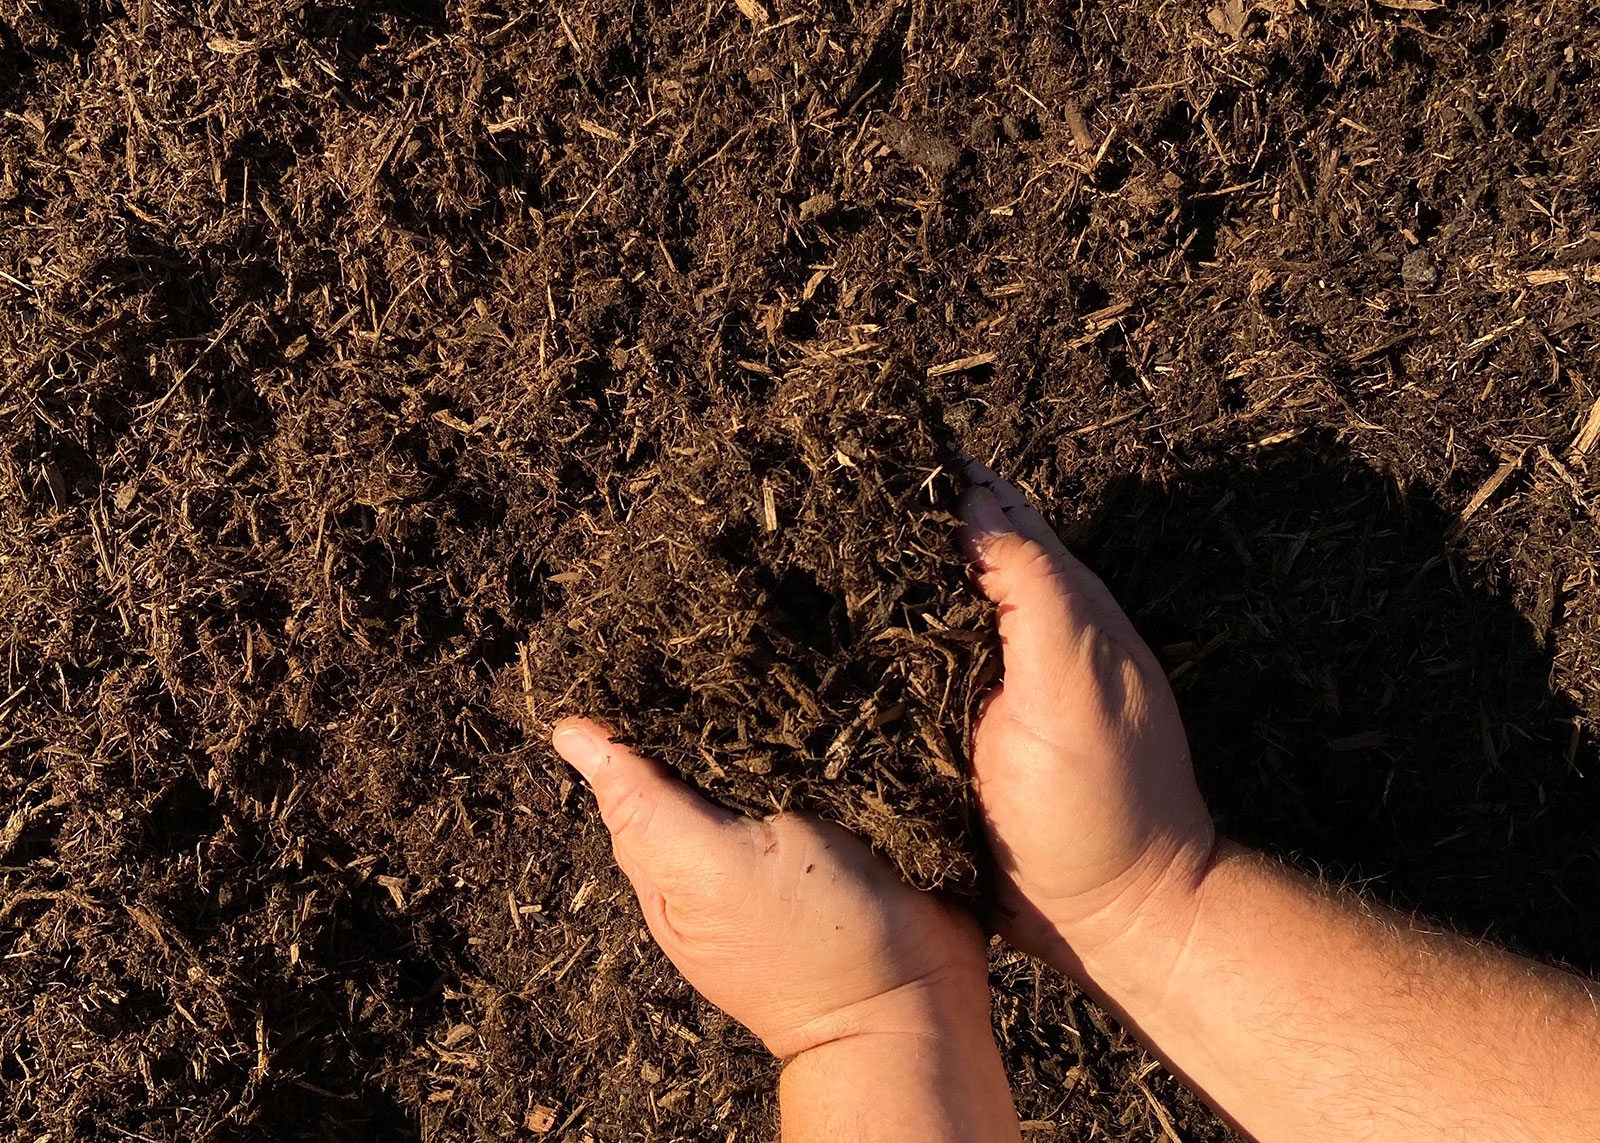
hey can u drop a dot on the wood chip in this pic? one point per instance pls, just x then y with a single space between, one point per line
1106 315
1493 335
1489 487
594 128
1574 485
1073 114
1098 322
769 508
1168 1128
1589 434
976 361
754 11
528 705
539 1119
585 891
818 205
943 757
1276 438
1412 5
397 890
450 420
1120 418
147 921
1231 17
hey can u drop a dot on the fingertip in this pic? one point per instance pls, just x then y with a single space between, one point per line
582 743
994 506
980 510
578 723
991 551
975 546
1023 577
979 473
984 523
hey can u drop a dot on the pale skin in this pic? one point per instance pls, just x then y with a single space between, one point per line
1300 1013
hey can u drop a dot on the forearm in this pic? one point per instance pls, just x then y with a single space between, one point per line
1305 1017
945 1087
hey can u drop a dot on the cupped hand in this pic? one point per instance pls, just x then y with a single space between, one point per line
788 924
1080 762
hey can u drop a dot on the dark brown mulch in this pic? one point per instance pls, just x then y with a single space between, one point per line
383 381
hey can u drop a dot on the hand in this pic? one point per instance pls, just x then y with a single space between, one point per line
1080 762
790 925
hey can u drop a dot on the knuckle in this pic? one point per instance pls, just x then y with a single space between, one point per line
1036 558
1017 554
1028 560
630 812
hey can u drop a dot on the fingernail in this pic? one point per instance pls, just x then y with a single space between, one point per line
581 747
982 511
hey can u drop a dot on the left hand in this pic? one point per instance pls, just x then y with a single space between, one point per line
788 924
1080 763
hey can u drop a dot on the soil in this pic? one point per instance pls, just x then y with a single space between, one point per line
382 382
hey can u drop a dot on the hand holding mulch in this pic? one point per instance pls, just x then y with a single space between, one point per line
875 994
1297 1011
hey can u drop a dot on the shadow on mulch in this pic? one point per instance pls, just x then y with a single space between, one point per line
1358 699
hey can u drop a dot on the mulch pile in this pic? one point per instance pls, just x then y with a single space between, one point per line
381 382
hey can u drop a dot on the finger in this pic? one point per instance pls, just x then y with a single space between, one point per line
663 832
1022 516
1047 598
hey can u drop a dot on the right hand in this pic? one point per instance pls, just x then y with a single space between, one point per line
1080 762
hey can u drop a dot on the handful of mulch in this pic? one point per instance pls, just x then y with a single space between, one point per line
797 633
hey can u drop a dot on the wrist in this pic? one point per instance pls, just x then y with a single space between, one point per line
1127 947
929 1075
930 1008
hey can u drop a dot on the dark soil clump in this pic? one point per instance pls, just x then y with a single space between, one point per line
379 383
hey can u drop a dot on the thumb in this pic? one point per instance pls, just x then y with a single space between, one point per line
660 828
